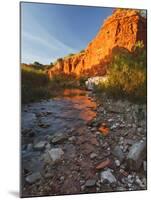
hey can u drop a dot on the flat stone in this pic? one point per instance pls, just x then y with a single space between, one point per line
40 145
33 177
107 176
90 183
56 154
118 153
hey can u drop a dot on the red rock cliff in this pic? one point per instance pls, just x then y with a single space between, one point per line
122 29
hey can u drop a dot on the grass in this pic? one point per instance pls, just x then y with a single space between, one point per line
34 84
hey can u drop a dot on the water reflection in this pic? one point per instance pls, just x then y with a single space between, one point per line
80 101
73 109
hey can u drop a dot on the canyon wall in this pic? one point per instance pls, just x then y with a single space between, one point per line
122 29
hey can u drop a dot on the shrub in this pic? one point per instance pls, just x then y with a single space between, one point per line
62 80
127 74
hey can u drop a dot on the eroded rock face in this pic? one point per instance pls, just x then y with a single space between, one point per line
122 29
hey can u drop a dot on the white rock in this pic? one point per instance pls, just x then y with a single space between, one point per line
117 162
56 154
107 175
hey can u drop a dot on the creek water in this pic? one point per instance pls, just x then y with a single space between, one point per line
71 110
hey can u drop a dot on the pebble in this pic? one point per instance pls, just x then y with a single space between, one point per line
107 176
93 155
117 163
90 183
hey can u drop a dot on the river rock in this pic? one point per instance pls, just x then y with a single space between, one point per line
107 176
56 154
33 177
136 155
59 137
40 145
118 153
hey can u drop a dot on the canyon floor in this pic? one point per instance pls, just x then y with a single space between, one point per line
64 152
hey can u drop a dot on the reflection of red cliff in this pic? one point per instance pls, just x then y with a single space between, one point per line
122 29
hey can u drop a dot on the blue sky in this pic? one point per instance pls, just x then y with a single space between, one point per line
50 31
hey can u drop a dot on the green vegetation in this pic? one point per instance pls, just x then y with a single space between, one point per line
127 74
65 81
34 84
82 51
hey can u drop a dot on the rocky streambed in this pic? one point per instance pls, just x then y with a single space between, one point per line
64 151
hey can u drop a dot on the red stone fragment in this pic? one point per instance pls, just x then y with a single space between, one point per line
104 164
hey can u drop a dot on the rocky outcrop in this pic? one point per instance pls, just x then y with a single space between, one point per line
122 29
